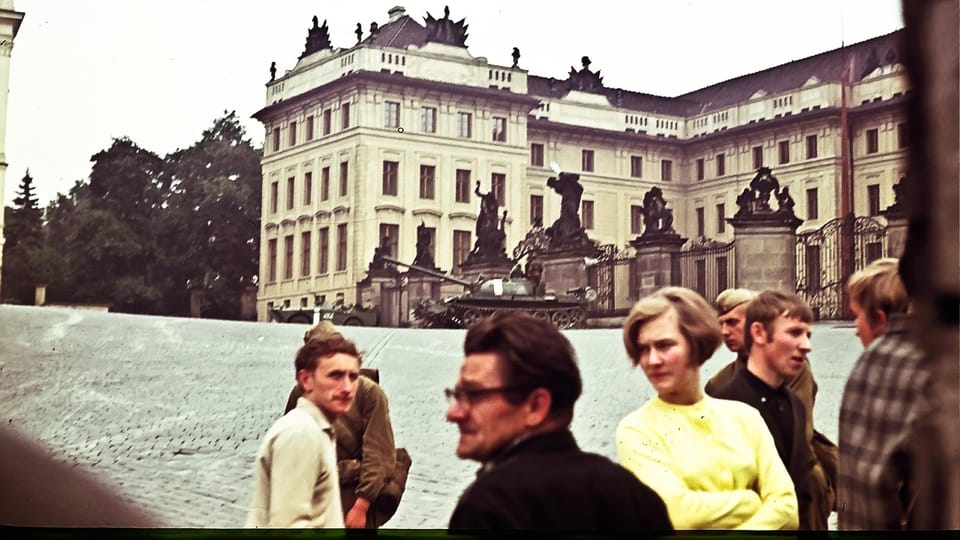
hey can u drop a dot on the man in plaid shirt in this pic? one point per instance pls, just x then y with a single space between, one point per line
885 409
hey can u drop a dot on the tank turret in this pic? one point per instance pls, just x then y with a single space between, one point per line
485 297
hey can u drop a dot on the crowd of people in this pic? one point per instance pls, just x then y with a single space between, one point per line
740 452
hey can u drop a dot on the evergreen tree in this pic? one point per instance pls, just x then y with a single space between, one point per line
26 260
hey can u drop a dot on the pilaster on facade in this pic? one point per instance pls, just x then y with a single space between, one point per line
415 124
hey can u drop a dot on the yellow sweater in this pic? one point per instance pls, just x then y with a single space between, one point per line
714 464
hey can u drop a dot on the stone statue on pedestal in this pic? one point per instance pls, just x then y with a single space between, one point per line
657 218
567 232
491 237
424 256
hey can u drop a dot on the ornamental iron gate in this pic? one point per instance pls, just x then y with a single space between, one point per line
613 276
821 273
708 267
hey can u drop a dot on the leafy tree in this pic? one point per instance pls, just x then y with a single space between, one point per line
211 222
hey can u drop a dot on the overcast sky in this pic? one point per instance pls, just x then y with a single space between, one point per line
159 72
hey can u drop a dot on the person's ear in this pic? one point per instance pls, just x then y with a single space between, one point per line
758 333
303 379
538 406
879 323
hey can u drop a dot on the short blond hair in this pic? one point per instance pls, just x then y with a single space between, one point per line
878 287
696 318
731 298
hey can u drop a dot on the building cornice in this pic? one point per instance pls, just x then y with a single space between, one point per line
550 126
13 18
374 77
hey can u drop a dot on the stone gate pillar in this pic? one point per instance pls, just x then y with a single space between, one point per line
765 239
658 261
658 248
381 288
565 269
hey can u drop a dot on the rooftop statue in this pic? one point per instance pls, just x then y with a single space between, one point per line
318 38
445 30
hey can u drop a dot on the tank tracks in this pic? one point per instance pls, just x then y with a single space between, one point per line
562 317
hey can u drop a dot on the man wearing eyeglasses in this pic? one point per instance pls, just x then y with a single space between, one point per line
513 404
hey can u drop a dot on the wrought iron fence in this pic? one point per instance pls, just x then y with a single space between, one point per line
708 267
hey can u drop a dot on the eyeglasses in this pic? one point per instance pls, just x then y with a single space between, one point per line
465 397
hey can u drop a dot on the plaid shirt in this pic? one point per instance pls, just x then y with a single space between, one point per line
885 400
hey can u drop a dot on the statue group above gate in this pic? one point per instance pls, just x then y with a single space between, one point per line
490 245
754 201
657 218
567 232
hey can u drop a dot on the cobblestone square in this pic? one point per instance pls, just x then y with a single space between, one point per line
170 411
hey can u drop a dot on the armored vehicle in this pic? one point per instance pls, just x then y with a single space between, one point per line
338 314
485 297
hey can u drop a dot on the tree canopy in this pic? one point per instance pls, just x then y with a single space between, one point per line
143 231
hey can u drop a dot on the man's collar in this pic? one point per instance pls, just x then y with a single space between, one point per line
560 438
311 408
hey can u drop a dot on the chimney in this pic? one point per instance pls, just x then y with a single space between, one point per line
396 12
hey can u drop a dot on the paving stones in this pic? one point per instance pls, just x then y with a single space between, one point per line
171 411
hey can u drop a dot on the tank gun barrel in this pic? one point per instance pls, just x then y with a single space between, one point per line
427 271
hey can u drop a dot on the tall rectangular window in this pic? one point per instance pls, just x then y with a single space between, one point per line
636 166
341 247
274 196
327 121
291 184
324 241
536 210
721 218
811 146
390 169
666 170
903 135
586 211
721 164
272 260
307 188
701 169
305 259
344 169
757 157
308 126
344 115
636 219
784 150
498 185
276 139
701 226
873 141
428 120
461 247
389 238
873 199
428 174
288 257
293 133
536 154
391 114
464 125
813 206
325 183
499 129
586 160
462 187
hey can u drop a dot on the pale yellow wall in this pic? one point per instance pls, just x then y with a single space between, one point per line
367 143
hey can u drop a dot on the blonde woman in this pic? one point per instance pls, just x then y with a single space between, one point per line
712 461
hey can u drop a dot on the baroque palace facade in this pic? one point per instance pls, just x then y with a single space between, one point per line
363 144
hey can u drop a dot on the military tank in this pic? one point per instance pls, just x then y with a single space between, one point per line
485 297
